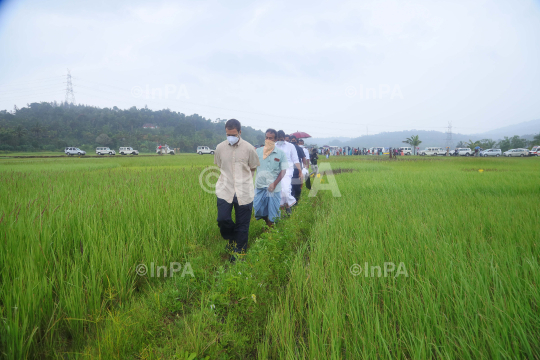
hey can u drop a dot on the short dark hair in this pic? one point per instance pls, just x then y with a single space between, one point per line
272 131
302 140
280 133
292 137
287 135
233 124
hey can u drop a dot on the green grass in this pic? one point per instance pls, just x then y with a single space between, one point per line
73 231
470 244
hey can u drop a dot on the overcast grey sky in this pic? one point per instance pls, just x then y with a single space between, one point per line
337 68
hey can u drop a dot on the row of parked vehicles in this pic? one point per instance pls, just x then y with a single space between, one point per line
429 151
519 152
124 150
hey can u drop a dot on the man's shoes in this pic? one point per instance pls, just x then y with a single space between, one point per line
236 256
288 211
230 247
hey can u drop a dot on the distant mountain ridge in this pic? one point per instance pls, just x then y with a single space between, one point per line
526 130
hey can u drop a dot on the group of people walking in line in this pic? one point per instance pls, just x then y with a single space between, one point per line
279 168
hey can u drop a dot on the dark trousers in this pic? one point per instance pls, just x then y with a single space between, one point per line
237 234
296 191
296 187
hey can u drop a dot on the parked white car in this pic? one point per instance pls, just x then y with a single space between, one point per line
535 151
127 150
74 151
433 151
516 152
462 152
166 150
204 150
105 150
491 152
406 150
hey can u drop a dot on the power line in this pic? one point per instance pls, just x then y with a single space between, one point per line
7 89
36 80
60 91
327 125
33 89
253 122
251 112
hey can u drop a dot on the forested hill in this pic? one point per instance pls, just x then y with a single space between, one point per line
49 126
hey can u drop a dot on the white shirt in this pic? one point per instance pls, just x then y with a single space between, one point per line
306 151
290 152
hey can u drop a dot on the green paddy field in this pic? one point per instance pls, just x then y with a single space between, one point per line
419 258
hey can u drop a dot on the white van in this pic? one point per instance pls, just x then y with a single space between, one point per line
105 150
433 151
406 150
204 150
462 152
128 150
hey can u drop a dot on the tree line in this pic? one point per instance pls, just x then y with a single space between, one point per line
53 126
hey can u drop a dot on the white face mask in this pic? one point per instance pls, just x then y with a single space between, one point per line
279 143
232 139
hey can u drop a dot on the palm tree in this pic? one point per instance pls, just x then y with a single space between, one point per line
487 143
472 144
414 141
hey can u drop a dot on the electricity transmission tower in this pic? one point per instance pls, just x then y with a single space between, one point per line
449 141
70 95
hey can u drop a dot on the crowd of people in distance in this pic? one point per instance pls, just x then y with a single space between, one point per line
347 150
279 168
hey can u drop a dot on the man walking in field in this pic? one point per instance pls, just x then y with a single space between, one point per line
237 161
287 200
306 152
272 168
297 178
313 158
